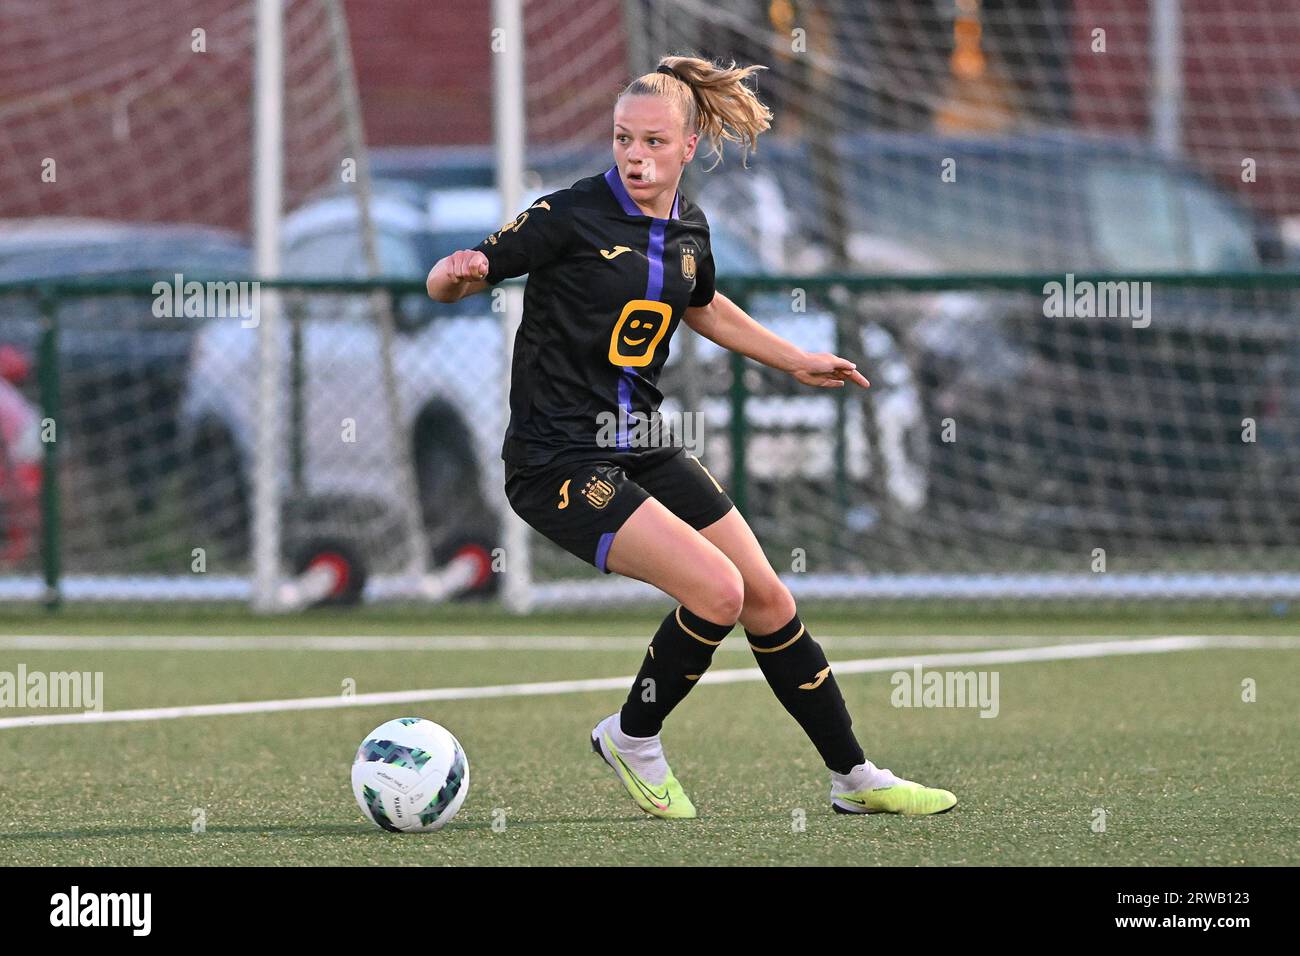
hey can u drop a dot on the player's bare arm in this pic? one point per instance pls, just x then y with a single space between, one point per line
727 324
457 276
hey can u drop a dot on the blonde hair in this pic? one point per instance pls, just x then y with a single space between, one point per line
713 98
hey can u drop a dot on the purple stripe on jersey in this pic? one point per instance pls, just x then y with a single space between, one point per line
655 253
624 404
620 192
654 284
625 198
602 550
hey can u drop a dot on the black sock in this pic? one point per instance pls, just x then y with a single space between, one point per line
679 654
799 675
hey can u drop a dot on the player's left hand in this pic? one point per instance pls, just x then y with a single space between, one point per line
824 370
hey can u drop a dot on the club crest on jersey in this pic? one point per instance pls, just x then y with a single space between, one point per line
688 263
598 492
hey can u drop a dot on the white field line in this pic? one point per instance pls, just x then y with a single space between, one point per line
1157 645
494 642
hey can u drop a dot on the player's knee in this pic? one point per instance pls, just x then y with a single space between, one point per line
769 600
724 598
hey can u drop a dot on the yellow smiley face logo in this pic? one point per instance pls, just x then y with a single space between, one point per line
638 332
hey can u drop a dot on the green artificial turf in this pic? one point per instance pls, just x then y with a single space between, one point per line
1184 770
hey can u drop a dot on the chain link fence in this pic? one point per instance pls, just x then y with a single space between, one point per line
1025 437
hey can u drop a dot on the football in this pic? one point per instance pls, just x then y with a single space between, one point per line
410 775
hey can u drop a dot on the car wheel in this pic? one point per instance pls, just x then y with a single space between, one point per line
216 491
446 471
890 441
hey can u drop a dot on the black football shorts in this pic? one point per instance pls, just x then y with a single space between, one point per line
580 503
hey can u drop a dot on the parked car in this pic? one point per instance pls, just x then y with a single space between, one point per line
121 366
21 462
430 169
448 379
1067 426
753 232
449 364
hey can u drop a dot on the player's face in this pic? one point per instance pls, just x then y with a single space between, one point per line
650 146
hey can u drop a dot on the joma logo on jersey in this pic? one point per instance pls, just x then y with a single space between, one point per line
598 491
688 263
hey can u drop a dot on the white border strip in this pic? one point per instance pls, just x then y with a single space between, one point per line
1157 645
360 643
1206 585
1203 585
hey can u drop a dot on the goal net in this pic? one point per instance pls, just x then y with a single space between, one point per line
1060 239
127 134
1048 436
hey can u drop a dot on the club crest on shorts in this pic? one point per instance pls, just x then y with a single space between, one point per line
598 492
688 262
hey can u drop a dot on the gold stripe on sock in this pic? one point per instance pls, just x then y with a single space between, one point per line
702 640
779 647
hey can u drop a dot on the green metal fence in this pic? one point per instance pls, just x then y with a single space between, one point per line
1229 341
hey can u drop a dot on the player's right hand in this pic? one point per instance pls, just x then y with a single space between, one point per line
467 265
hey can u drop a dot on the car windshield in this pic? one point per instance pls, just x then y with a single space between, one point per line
731 255
986 216
131 257
1143 218
1044 210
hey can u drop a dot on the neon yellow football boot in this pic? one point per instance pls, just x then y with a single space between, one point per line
667 799
867 789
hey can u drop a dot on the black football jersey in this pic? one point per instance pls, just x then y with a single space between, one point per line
607 287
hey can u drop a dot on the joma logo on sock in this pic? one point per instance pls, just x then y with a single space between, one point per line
917 688
103 909
817 681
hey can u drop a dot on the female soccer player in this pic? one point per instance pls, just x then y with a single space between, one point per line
615 262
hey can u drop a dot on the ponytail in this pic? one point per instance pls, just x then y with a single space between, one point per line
714 100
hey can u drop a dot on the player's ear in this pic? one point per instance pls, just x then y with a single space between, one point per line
691 142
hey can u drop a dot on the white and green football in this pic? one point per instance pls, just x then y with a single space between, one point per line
410 775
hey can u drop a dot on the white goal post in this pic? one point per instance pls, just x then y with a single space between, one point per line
952 194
